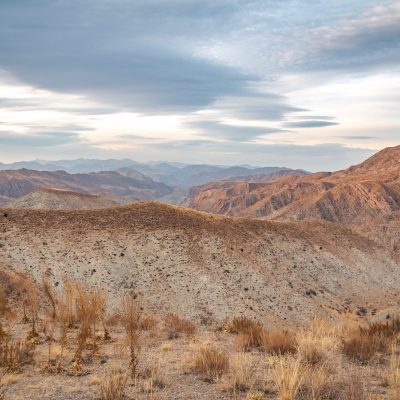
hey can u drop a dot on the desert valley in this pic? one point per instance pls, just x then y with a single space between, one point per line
199 200
284 285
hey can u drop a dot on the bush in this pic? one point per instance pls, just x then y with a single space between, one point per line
15 354
362 344
211 363
175 326
113 387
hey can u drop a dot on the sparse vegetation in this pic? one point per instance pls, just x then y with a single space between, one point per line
113 387
176 326
210 362
319 362
131 316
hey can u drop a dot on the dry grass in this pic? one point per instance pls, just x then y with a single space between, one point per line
148 322
131 316
319 383
278 342
210 362
113 387
241 373
319 344
363 343
251 334
176 325
354 387
15 354
86 314
394 375
288 376
49 292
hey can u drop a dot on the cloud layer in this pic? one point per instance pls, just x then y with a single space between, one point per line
236 75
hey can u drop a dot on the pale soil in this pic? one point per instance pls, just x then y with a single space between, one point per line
206 267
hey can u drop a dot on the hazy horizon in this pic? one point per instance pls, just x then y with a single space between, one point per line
266 83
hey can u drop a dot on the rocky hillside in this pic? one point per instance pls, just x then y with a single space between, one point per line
357 197
207 267
56 199
17 183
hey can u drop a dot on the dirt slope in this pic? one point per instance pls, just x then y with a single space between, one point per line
55 199
202 265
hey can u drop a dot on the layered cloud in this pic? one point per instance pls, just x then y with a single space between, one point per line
144 78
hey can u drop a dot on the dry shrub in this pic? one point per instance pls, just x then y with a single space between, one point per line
15 354
153 376
86 314
363 343
2 388
148 322
175 326
250 333
278 342
242 325
320 383
319 344
288 376
113 387
394 375
49 292
210 362
354 387
131 316
240 375
30 305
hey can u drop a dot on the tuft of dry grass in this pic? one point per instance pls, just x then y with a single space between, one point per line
113 387
131 316
394 375
354 387
288 376
240 376
15 354
363 343
319 344
49 292
278 342
210 362
176 325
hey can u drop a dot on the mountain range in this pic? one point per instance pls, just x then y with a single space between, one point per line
364 197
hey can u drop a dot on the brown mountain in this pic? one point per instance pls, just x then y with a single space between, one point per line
57 199
358 197
17 183
206 266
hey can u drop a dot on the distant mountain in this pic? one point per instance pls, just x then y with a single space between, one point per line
179 175
18 183
360 197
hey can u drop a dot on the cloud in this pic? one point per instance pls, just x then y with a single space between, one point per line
38 140
368 40
219 130
309 124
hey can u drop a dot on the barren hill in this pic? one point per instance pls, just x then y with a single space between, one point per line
60 199
205 266
17 183
356 197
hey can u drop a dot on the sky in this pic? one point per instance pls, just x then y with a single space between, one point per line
304 84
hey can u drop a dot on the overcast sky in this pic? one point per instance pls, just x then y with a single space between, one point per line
308 84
